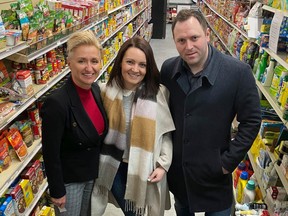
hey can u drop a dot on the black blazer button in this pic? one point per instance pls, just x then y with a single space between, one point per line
88 149
74 124
80 144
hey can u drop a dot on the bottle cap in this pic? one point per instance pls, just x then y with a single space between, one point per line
242 166
250 185
244 175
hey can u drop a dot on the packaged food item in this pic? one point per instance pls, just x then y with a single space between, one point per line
27 191
7 208
15 139
46 211
38 171
30 174
18 199
5 158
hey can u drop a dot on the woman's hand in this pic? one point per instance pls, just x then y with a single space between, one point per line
157 175
60 202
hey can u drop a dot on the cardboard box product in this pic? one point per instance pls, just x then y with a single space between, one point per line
30 174
18 200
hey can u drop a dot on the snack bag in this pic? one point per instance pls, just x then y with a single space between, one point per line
5 158
27 191
15 139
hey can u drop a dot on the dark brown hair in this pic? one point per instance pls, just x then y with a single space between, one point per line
185 14
152 77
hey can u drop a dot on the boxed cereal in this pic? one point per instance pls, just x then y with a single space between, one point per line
18 199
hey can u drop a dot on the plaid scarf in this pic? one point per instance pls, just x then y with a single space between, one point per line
142 141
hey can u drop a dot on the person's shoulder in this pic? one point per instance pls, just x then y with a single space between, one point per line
102 86
172 60
163 92
229 62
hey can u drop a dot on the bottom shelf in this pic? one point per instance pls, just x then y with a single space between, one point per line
260 182
37 196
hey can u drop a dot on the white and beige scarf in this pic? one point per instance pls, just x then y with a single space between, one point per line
140 166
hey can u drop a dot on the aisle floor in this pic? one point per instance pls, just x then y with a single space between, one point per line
163 49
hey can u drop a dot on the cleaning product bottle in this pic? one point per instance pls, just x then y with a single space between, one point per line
262 66
257 60
249 192
241 167
243 179
268 73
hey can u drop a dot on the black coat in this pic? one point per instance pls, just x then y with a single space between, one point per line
201 142
71 144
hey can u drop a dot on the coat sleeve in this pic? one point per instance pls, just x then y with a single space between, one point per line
53 124
248 113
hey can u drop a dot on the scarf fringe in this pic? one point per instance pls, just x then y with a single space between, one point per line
139 211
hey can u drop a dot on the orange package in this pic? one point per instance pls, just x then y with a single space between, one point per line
5 158
15 139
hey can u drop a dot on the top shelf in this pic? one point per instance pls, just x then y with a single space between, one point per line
274 10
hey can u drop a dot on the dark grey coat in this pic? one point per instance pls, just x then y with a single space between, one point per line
71 144
201 143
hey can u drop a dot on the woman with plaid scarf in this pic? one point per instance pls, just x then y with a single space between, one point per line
137 150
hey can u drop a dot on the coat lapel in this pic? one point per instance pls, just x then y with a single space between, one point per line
81 117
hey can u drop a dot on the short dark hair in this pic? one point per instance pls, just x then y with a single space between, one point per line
152 77
185 14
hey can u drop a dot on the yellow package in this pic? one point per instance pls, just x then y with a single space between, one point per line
46 211
27 191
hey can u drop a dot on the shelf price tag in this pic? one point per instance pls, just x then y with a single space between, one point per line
275 31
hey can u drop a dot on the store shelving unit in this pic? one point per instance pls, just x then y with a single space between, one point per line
16 167
5 52
13 53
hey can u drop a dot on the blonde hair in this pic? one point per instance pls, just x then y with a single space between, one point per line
82 38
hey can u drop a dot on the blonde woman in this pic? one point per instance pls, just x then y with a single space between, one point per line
74 124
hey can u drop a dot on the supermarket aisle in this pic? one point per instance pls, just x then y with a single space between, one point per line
164 48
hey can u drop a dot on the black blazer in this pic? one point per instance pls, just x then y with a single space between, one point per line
71 144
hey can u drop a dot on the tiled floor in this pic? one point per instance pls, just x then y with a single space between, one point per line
163 49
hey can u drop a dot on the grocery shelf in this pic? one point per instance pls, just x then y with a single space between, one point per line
36 198
8 176
272 101
280 172
38 91
120 27
226 20
219 37
43 88
259 181
122 6
22 58
279 57
256 172
274 10
5 52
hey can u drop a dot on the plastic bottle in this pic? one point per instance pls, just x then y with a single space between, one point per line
243 179
257 60
241 167
262 66
249 192
268 73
